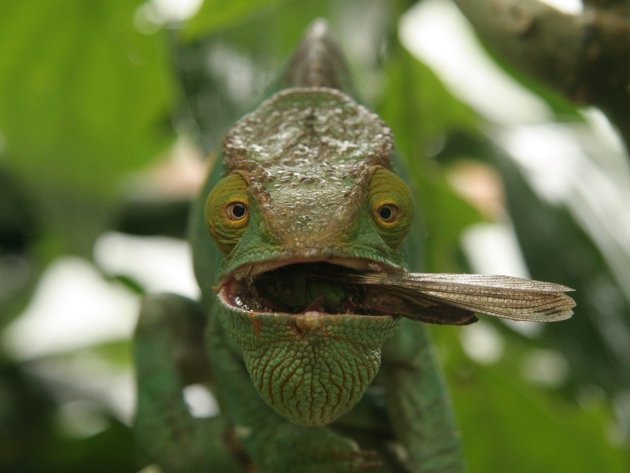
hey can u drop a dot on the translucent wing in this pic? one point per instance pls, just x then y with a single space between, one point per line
500 296
455 298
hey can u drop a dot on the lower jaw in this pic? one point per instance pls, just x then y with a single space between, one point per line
310 368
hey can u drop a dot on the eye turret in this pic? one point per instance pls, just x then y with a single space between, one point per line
227 211
391 206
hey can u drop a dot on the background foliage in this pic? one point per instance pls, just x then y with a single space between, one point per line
96 97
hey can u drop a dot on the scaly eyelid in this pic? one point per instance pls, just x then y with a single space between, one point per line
227 231
387 189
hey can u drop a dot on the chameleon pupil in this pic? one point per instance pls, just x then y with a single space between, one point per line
386 212
238 210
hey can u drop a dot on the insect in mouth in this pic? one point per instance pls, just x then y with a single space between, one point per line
326 288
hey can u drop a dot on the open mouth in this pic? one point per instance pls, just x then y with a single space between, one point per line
308 311
303 288
364 288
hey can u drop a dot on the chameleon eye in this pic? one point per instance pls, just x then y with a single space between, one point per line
236 211
391 206
388 212
227 211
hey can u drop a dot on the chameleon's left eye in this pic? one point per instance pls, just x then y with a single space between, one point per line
388 213
391 206
227 211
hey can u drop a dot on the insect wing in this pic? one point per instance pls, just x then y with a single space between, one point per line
499 296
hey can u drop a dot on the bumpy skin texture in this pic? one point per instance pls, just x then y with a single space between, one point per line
309 369
299 393
308 154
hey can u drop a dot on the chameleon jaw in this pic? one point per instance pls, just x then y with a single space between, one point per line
311 365
296 287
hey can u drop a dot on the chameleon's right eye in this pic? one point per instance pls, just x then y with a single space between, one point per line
227 211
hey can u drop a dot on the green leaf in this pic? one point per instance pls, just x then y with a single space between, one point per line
511 424
557 247
421 112
83 95
116 352
446 216
418 106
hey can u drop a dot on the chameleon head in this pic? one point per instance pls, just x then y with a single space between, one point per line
307 191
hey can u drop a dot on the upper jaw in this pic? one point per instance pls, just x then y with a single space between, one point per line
252 270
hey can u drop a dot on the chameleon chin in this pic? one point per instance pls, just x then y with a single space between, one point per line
310 344
310 330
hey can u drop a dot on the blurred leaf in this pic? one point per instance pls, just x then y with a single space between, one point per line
446 216
421 112
26 414
226 73
32 442
112 449
217 14
20 226
83 95
509 424
18 217
563 108
117 352
163 216
419 108
556 248
530 431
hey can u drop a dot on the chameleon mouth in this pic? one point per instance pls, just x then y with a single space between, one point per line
364 288
304 288
308 345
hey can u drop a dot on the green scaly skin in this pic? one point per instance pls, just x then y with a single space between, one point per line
301 392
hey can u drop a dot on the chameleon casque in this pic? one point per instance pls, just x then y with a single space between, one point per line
309 329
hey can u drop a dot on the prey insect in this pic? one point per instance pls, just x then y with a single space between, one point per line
455 298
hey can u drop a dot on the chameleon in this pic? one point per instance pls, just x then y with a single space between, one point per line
310 330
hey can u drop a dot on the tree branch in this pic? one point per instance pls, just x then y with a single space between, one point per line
586 57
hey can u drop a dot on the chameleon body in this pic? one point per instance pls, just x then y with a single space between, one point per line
296 238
